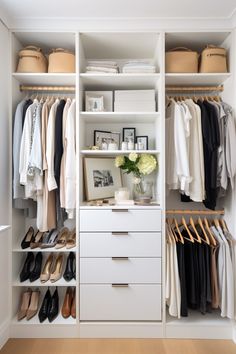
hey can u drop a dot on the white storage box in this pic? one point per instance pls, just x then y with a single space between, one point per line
107 99
135 106
132 95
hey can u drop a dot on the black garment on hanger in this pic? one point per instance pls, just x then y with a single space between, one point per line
182 278
25 107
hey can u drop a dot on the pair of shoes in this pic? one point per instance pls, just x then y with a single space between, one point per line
50 307
69 303
29 304
32 240
70 270
66 238
26 272
52 269
49 239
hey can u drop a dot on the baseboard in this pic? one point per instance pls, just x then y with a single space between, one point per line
4 333
234 334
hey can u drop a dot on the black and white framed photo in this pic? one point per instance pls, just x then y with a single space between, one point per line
102 177
94 103
129 134
142 142
102 138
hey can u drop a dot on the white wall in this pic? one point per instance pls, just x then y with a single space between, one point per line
5 183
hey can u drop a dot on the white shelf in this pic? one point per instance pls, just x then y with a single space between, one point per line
45 250
116 152
117 81
37 283
35 321
119 117
45 79
195 318
153 205
4 227
196 79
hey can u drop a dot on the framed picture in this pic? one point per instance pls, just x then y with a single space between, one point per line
101 137
129 134
142 142
94 103
102 177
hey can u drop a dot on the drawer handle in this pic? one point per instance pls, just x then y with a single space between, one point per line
123 233
120 210
120 285
120 258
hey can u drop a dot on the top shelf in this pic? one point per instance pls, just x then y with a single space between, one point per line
196 79
45 79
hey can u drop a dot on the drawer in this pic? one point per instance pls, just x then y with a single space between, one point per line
120 220
117 244
131 303
120 270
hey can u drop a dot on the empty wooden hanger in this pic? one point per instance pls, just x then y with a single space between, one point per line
198 239
212 238
206 240
188 231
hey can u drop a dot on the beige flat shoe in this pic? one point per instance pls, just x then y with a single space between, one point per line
71 241
62 238
24 304
47 269
57 271
34 305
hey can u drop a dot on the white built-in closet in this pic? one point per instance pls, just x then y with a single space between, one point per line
102 311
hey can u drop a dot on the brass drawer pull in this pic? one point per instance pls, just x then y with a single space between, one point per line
120 285
120 210
120 258
123 233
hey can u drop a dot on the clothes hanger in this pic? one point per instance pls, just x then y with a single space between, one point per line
198 239
223 224
168 237
169 223
187 229
213 240
181 238
204 232
216 222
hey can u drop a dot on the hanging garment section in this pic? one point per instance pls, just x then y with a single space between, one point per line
200 267
44 155
201 163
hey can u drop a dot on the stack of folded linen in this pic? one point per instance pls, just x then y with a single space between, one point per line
102 66
137 66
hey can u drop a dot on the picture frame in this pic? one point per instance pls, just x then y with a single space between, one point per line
94 102
101 135
142 139
101 178
129 133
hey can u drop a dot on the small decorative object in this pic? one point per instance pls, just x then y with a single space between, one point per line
124 145
94 103
107 99
102 178
101 137
129 134
122 194
139 165
130 144
142 142
112 146
104 145
94 147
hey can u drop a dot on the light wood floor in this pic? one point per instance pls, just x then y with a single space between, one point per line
118 346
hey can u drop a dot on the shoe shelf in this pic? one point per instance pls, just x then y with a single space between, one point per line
38 283
59 320
44 250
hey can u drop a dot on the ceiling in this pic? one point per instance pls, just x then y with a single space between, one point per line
19 10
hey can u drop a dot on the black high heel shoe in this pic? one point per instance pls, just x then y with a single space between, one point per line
35 274
25 243
45 307
69 273
54 309
25 272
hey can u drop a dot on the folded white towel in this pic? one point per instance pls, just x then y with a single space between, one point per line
106 63
100 69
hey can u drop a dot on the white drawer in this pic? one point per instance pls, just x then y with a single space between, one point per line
117 244
120 270
120 220
131 303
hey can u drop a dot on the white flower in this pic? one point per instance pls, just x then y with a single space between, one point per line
133 156
119 161
147 164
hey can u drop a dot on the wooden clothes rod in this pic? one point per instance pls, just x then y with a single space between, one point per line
196 212
48 88
194 88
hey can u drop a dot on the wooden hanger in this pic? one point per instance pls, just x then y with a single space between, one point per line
187 229
169 223
216 222
181 239
223 224
212 238
198 239
169 238
204 232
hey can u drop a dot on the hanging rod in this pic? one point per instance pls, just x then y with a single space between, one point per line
194 88
196 212
47 88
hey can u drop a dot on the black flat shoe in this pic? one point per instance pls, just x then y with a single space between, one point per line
69 273
45 307
28 238
25 273
54 309
35 274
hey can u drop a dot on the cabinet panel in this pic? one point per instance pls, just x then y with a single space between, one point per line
120 220
120 270
124 303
